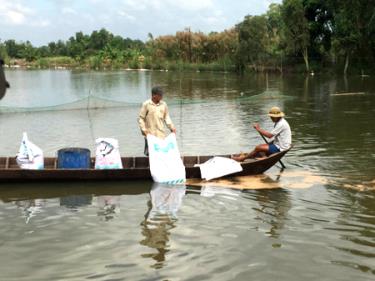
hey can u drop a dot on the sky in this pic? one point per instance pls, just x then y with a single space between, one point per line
44 21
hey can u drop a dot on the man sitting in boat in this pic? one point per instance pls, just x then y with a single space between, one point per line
154 115
280 136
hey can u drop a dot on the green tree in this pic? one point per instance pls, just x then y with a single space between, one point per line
99 39
253 42
13 49
354 25
78 45
29 52
43 51
275 34
346 35
58 48
3 53
319 14
296 29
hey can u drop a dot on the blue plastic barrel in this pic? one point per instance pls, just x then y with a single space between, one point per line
73 158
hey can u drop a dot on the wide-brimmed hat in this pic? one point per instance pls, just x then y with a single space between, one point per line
276 112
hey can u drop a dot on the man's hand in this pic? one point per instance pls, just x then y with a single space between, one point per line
256 126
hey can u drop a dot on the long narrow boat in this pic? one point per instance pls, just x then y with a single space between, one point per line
135 168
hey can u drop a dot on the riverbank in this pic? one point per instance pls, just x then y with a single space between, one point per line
94 63
147 64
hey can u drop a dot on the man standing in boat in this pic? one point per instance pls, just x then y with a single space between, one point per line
3 82
280 136
154 115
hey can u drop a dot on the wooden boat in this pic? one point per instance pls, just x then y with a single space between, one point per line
135 168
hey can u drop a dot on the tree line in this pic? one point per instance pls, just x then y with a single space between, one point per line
296 35
322 33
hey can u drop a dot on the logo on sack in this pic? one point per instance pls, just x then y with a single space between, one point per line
165 149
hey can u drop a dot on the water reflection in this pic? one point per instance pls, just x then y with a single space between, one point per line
165 200
76 201
213 190
108 206
359 227
30 208
160 219
273 209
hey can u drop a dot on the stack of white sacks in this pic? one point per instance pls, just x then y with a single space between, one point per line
107 154
166 165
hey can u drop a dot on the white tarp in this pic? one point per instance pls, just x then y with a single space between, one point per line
29 155
217 167
166 165
107 155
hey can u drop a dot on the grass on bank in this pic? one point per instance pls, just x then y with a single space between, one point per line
223 65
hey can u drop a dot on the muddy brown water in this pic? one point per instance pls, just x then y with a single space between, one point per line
315 220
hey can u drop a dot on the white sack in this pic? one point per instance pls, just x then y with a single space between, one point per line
29 155
166 165
107 154
217 167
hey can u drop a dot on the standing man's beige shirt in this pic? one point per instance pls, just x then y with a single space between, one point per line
153 118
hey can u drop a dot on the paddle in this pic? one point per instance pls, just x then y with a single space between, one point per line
281 163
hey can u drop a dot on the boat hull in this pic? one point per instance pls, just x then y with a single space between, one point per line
135 168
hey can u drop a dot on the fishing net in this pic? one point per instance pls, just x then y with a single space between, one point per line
46 90
84 103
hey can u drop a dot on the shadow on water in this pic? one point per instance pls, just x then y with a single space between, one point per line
17 192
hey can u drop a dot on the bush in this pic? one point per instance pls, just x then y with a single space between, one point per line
147 63
61 61
134 63
117 64
95 62
42 63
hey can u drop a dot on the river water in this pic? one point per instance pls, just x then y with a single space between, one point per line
315 220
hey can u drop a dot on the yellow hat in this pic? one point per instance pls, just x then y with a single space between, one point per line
276 112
